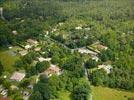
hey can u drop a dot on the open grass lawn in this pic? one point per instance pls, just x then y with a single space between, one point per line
102 93
8 58
64 95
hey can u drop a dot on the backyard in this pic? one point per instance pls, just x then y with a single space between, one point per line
102 93
8 58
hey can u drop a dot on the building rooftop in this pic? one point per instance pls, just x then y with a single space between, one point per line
32 42
17 76
28 46
23 52
14 32
41 59
86 51
95 58
98 46
53 69
78 28
37 49
107 68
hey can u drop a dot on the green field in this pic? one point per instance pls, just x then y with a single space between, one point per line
64 95
101 93
8 59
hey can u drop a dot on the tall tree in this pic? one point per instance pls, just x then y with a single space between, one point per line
36 96
1 68
80 93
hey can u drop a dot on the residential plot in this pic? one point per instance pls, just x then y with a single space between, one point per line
8 58
103 93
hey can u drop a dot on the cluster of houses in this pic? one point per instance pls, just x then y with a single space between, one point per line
93 51
3 91
29 44
94 55
19 76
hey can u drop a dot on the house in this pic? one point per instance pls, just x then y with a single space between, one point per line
23 52
41 59
97 46
13 87
22 20
87 28
54 30
53 69
102 47
60 24
10 47
4 92
1 88
86 51
32 42
14 32
26 95
37 49
78 28
95 58
17 76
47 32
28 47
107 68
30 87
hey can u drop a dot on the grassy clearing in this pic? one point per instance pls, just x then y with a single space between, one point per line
102 93
64 95
8 59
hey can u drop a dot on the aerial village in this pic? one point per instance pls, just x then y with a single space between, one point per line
36 46
66 50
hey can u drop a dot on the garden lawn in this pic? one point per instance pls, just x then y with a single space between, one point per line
8 59
102 93
64 95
